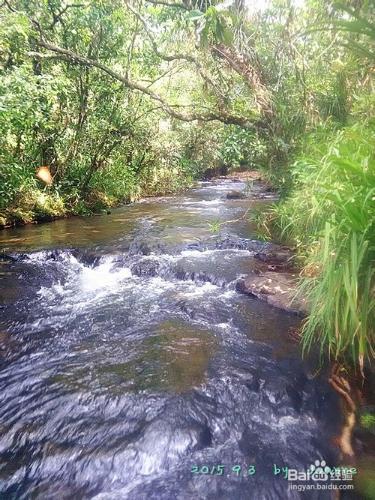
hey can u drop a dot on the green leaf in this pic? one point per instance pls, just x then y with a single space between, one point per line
194 15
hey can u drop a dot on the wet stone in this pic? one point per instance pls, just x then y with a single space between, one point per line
276 288
236 195
147 267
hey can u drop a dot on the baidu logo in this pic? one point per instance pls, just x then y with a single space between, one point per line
319 471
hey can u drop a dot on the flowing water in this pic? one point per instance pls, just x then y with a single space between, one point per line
130 368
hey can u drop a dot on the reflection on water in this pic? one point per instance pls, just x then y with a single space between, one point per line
171 219
127 358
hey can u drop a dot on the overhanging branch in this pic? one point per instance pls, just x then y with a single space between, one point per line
173 57
73 57
167 4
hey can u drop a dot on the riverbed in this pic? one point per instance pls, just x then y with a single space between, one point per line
131 368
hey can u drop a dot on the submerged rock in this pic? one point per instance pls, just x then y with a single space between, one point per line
236 195
146 267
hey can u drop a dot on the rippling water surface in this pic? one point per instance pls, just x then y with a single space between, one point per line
128 359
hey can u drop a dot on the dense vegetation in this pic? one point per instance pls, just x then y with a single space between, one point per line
128 98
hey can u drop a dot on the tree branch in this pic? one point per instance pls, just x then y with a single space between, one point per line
165 57
75 58
166 4
57 17
175 57
250 74
131 48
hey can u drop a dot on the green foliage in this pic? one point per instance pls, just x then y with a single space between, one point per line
215 226
330 215
333 102
104 145
31 203
368 421
358 24
27 108
242 147
213 25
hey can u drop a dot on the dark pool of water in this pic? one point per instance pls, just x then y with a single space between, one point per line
128 359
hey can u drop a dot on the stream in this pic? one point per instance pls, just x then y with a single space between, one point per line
131 368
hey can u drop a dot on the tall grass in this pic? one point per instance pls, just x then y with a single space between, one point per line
330 215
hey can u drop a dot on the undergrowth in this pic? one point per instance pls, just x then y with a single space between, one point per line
329 216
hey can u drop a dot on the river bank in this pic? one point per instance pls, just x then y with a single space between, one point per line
44 205
40 206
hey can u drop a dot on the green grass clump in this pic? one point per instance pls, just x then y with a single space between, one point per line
368 421
330 216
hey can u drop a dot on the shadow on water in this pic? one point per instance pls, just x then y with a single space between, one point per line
128 361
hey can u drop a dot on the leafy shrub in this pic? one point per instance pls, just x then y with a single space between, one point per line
243 147
34 204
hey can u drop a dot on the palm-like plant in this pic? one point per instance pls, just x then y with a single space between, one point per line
362 28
